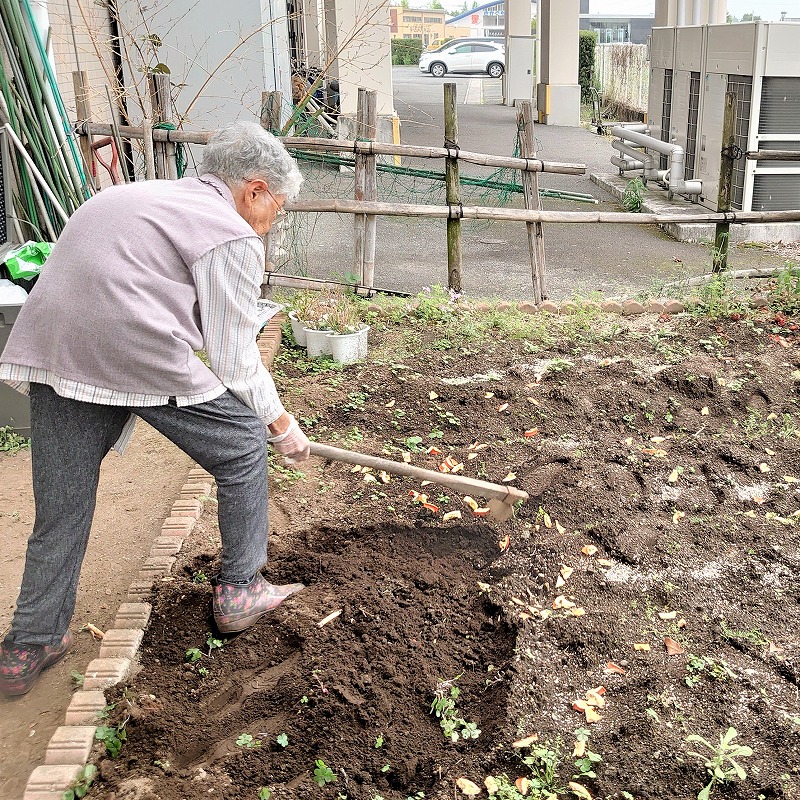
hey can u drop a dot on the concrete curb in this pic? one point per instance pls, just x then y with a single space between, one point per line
70 745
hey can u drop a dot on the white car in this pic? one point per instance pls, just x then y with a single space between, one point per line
469 57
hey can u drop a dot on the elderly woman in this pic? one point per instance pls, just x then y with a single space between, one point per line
143 277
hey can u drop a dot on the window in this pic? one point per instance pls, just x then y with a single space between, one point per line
433 20
407 18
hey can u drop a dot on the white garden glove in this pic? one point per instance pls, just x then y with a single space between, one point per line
293 444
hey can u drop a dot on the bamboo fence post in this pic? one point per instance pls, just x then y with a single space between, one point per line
360 220
722 233
530 185
271 111
160 102
115 134
84 114
149 149
370 192
452 189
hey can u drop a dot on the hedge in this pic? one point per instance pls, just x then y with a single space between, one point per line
406 51
586 51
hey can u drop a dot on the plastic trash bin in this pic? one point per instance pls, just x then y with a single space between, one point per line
15 409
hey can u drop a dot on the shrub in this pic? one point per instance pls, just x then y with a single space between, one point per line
586 50
406 51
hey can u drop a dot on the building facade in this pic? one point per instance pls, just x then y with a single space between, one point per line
485 21
417 23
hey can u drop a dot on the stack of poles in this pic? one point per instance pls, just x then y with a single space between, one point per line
50 182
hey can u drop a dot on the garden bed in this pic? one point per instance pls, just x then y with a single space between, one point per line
646 593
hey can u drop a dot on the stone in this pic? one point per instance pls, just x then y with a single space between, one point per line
121 643
759 301
674 307
50 782
482 308
503 306
611 307
132 615
199 474
527 308
70 744
630 307
568 307
655 307
103 673
549 306
84 707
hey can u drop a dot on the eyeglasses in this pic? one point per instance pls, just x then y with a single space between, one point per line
280 211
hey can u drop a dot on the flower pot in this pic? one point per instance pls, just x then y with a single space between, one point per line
362 342
317 342
345 347
298 329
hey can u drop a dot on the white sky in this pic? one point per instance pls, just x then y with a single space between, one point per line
766 9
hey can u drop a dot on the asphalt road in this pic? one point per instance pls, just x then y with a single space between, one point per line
581 259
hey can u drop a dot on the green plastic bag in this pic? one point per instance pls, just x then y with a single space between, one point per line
26 262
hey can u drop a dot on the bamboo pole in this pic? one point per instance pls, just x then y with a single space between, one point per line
452 188
149 150
83 109
369 148
166 166
115 133
359 220
722 234
530 185
773 155
370 192
298 282
522 215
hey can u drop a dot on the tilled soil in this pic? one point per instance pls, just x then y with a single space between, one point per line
645 593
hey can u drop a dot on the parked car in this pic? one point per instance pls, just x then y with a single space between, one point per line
466 56
441 44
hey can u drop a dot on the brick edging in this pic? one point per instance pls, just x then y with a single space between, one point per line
71 744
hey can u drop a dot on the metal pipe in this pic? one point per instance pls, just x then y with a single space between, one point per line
696 12
624 164
681 17
713 11
649 168
676 154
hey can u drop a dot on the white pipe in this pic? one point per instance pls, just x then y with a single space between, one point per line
649 168
713 12
676 154
696 9
624 164
681 20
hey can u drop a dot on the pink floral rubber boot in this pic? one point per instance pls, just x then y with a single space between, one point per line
237 608
21 664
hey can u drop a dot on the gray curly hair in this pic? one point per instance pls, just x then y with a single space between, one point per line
244 150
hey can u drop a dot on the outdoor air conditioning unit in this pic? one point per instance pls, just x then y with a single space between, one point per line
691 70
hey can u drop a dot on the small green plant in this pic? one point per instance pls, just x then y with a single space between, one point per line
504 789
444 706
192 654
632 197
323 774
213 643
264 793
202 672
587 760
113 737
80 786
77 678
200 577
754 636
282 739
11 441
379 742
543 760
247 740
720 762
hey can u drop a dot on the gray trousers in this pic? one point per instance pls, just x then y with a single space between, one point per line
69 440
